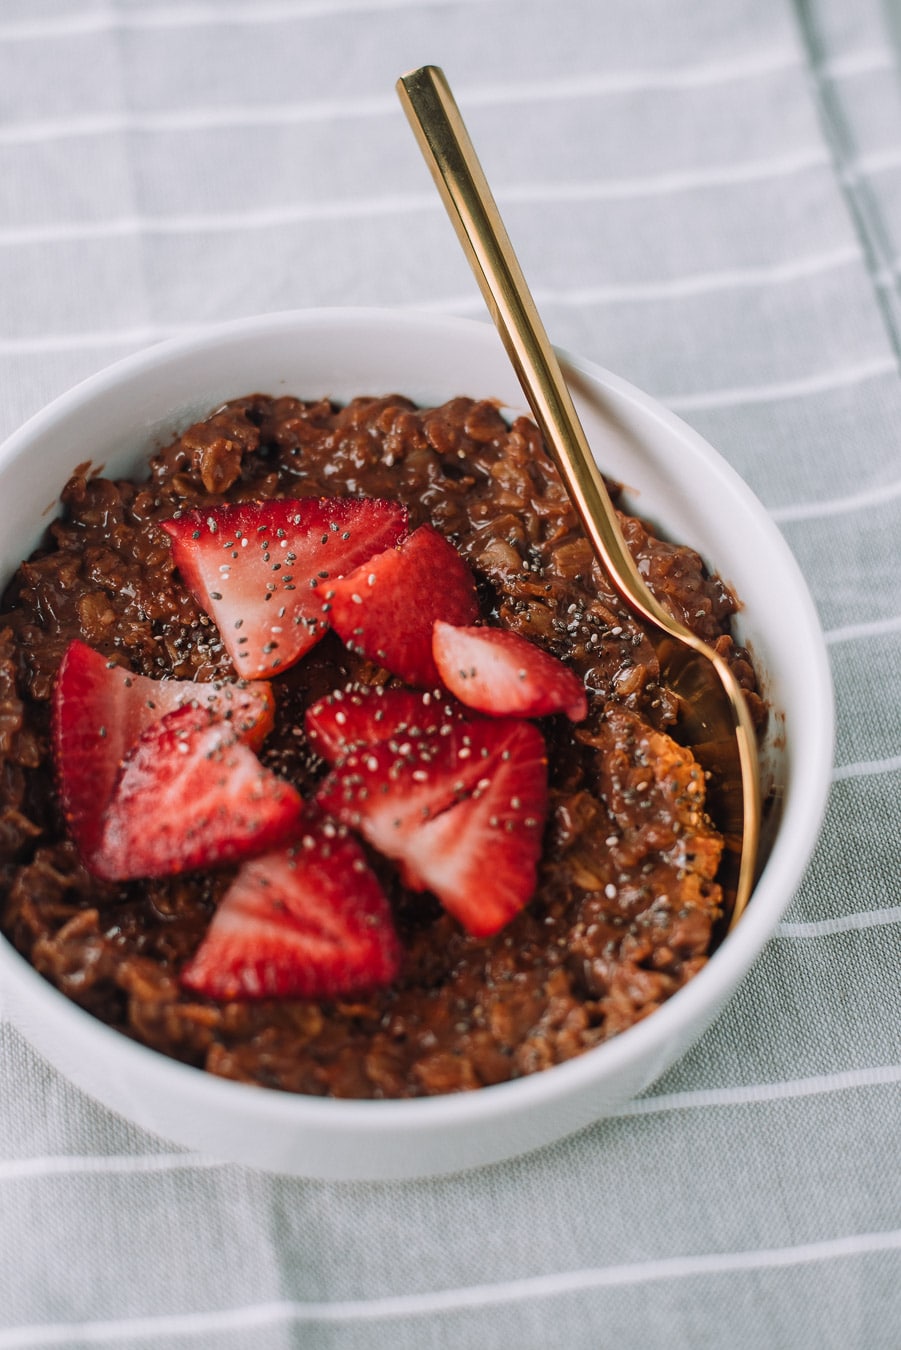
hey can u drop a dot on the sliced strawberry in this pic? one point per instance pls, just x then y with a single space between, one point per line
261 569
307 921
462 812
386 608
99 712
370 714
480 857
191 795
500 672
386 790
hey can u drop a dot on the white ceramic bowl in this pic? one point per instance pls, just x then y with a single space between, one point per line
675 479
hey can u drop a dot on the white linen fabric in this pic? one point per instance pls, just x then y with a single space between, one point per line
706 197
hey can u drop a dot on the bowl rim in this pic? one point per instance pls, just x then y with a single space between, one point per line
779 879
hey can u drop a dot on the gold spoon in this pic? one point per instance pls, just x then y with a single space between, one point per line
713 715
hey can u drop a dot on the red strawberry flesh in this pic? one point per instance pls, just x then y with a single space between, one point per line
100 710
261 570
190 795
306 921
386 608
387 790
480 856
461 812
502 673
366 715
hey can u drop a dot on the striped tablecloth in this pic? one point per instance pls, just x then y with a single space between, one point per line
707 198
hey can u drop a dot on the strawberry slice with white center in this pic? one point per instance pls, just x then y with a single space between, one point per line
386 608
364 715
191 795
306 921
462 812
261 570
502 673
99 710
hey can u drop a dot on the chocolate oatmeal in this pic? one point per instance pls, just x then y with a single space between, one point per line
626 897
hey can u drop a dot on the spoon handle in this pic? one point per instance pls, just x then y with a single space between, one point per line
449 153
714 715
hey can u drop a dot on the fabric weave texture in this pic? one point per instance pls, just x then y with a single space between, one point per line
706 197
